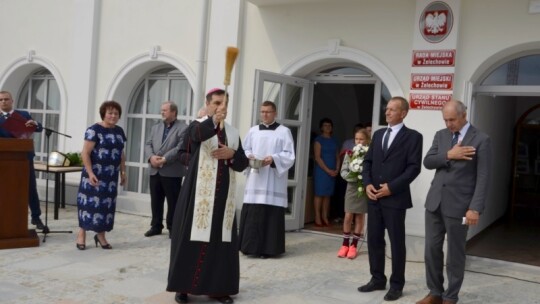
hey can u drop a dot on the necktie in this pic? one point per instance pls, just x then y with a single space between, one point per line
6 115
455 138
386 138
166 131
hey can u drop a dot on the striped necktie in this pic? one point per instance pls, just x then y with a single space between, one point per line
455 138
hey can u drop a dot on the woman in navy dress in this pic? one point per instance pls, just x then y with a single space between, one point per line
104 160
326 154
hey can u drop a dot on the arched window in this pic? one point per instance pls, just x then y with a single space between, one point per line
519 71
40 96
144 111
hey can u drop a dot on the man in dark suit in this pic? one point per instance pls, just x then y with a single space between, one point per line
6 107
461 156
392 162
166 171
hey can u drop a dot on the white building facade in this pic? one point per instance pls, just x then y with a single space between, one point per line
339 58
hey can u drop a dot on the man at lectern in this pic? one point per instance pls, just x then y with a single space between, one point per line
20 117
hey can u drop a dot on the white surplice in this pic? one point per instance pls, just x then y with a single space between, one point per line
269 185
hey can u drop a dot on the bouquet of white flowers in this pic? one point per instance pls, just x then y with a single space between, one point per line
353 165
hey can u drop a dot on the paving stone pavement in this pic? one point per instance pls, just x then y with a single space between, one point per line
135 271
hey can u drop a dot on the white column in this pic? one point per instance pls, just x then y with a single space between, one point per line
81 86
225 23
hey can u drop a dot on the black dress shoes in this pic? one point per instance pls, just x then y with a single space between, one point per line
224 299
152 232
38 223
371 286
393 294
181 297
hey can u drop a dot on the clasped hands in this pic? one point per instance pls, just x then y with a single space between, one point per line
333 173
459 152
94 181
157 161
374 194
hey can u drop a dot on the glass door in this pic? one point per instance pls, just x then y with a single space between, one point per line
292 97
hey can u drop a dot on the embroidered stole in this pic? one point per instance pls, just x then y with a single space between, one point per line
205 189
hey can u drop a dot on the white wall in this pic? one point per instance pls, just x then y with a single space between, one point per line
280 34
84 22
88 56
27 24
25 27
492 28
131 28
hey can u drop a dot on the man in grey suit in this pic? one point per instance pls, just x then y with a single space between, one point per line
166 171
461 156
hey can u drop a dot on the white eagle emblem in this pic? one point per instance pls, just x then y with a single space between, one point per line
435 23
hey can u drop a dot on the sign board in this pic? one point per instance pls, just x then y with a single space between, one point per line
424 101
433 81
434 54
432 58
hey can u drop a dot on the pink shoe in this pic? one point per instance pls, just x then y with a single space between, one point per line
352 253
343 251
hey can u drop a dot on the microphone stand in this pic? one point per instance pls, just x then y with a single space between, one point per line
46 230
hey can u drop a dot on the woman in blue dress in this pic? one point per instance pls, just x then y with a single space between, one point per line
104 160
326 155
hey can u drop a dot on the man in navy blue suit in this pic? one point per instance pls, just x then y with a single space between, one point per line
393 161
6 107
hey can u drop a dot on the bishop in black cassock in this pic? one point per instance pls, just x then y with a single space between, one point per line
204 248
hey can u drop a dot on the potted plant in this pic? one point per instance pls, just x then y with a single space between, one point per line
75 158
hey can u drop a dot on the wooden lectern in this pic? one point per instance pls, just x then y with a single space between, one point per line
14 193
